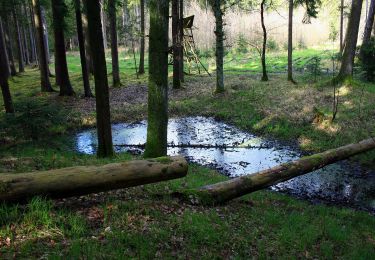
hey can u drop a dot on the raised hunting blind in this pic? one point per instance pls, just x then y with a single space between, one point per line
191 58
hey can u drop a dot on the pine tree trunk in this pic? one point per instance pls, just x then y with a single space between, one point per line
342 26
224 191
9 46
103 115
104 24
82 50
219 33
141 69
85 27
61 66
4 73
176 44
346 70
114 43
158 79
82 180
368 27
25 46
20 54
45 34
264 47
42 52
181 27
290 41
33 34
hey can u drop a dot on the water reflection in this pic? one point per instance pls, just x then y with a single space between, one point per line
339 183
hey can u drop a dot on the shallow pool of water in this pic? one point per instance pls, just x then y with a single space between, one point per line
234 152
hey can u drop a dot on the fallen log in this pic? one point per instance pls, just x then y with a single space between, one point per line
224 191
82 180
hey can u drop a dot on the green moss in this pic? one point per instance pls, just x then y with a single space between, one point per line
163 160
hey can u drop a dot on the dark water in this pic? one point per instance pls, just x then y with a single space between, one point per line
341 183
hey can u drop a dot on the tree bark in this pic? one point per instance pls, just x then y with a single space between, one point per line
114 42
181 27
9 46
237 187
104 24
75 181
368 27
141 69
103 114
176 44
346 70
158 79
264 48
290 42
20 54
25 39
42 52
90 65
33 33
342 26
61 66
45 33
82 50
4 73
219 33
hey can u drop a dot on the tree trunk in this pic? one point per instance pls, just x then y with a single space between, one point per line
42 52
45 34
368 27
4 73
21 65
33 34
82 180
290 42
82 50
61 66
103 114
342 26
176 44
9 46
264 68
181 27
346 70
219 33
90 65
104 24
237 187
158 79
25 40
114 43
141 69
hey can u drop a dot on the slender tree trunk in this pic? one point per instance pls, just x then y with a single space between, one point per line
224 191
368 27
290 42
219 33
104 24
9 46
103 115
21 65
61 66
114 43
33 33
181 27
42 52
25 39
82 51
264 68
342 26
89 61
158 79
141 69
351 38
45 34
176 44
4 73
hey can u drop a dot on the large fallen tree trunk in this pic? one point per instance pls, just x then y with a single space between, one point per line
227 190
83 180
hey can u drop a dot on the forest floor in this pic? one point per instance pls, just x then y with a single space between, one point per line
146 222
